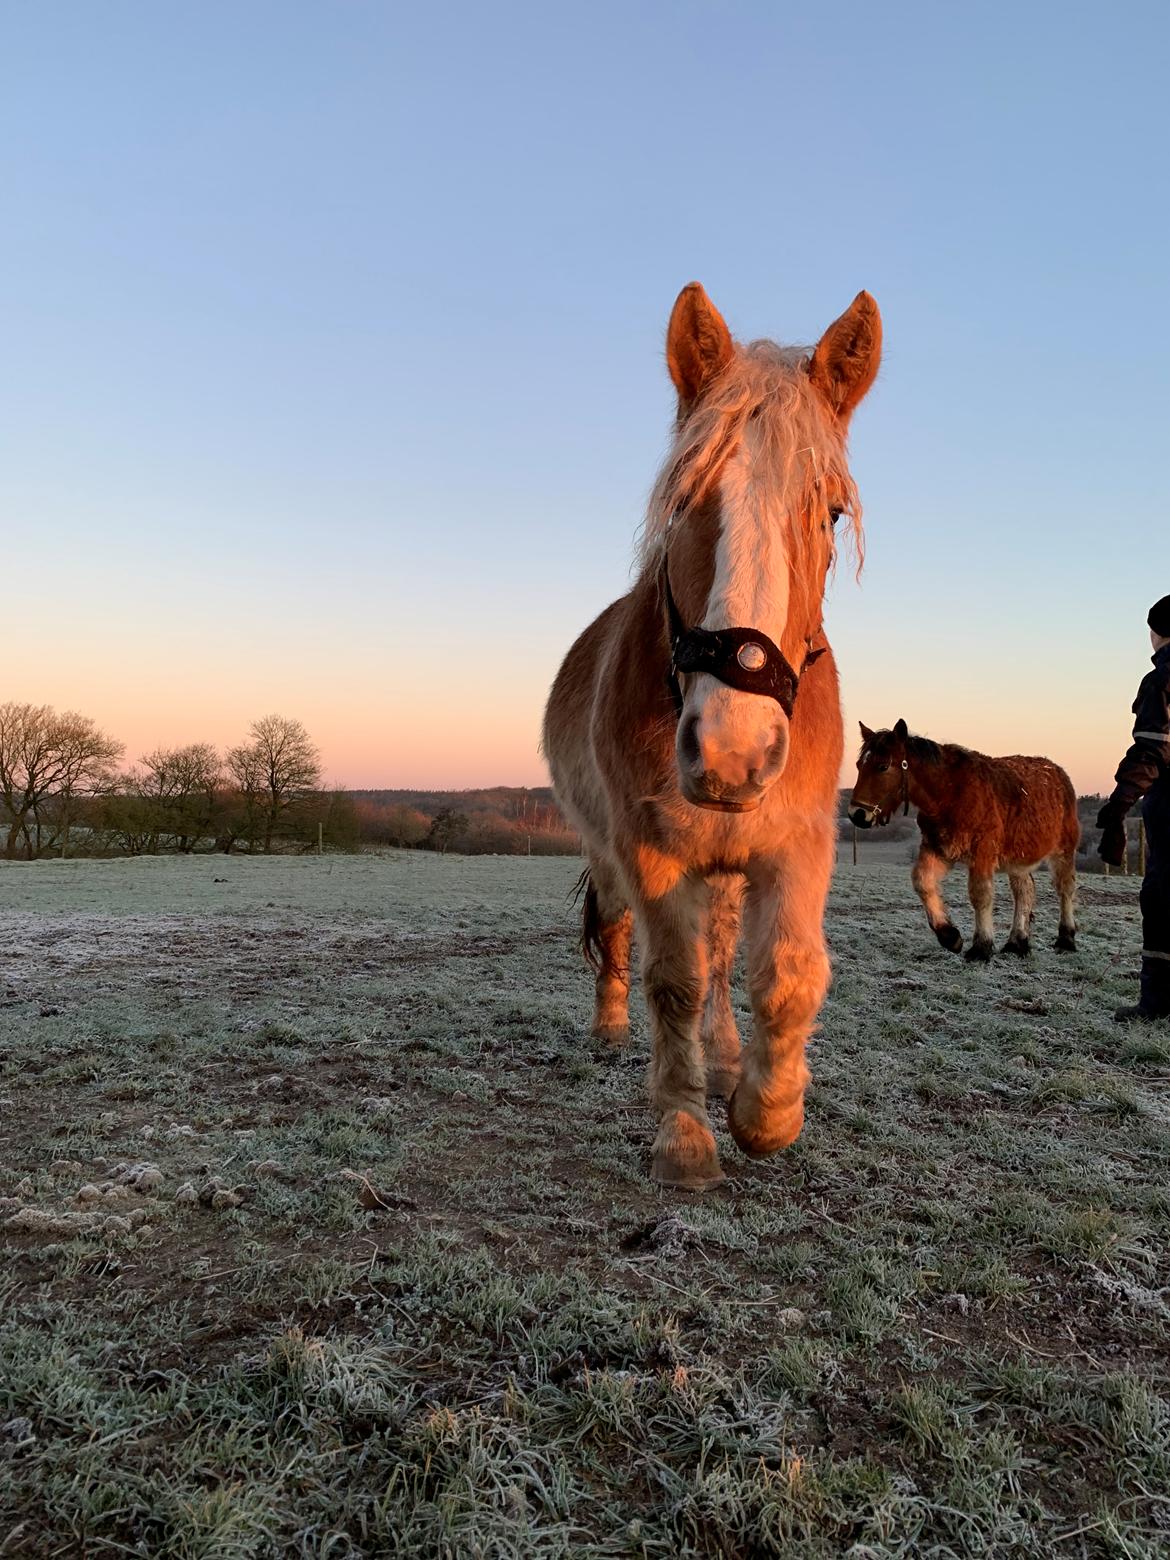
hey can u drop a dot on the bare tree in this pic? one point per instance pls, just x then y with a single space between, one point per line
182 783
46 760
279 765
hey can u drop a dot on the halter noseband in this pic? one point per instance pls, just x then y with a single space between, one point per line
743 658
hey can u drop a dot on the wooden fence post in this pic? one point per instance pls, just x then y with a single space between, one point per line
854 826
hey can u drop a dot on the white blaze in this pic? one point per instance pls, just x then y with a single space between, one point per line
750 589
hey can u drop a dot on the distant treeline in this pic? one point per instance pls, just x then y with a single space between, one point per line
503 820
62 792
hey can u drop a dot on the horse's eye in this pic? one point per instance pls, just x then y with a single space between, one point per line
835 513
881 768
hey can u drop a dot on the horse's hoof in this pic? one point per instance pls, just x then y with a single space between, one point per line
1020 946
685 1155
950 937
979 953
1066 942
611 1037
761 1133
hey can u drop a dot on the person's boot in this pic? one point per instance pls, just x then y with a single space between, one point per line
1137 1014
1154 1002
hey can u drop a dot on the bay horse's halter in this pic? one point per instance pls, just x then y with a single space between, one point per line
743 658
878 814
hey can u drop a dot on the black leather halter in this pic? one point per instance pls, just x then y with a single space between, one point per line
743 658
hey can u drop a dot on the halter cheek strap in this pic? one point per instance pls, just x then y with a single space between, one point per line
743 658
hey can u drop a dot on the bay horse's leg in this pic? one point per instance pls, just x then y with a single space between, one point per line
927 877
607 932
1064 874
1024 897
788 975
981 889
717 1032
674 973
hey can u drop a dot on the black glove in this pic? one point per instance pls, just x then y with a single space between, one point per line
1112 813
1114 840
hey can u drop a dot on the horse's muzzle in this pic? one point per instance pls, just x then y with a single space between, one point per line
865 815
729 763
709 791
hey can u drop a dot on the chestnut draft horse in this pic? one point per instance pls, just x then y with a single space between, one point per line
990 813
694 731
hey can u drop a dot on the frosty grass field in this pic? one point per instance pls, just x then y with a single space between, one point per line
373 1265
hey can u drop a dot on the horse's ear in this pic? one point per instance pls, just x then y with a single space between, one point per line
866 733
845 361
901 731
698 343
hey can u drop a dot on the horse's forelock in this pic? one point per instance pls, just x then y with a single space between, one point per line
801 443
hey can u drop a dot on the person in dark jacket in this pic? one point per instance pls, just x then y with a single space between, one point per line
1144 772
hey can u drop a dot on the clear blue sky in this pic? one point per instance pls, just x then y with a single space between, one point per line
332 346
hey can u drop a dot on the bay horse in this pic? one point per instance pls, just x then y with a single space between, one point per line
988 813
694 731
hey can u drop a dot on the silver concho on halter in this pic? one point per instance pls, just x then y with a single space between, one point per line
751 657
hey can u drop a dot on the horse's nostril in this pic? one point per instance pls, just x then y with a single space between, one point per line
688 743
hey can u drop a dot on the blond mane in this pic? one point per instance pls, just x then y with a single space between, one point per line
802 447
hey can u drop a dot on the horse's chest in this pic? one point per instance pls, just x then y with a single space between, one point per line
945 837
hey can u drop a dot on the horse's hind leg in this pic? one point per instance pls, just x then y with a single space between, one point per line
606 934
1064 874
717 1031
927 877
981 889
1024 894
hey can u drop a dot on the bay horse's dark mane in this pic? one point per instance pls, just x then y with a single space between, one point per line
921 749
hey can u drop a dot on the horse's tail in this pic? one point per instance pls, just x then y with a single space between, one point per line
586 891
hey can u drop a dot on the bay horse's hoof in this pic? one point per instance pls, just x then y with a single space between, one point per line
761 1133
979 953
1066 941
950 937
1020 946
685 1155
611 1037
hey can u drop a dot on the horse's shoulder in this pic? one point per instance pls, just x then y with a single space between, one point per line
582 655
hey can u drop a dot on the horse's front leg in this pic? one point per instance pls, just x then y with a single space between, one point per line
788 975
717 1032
929 870
674 973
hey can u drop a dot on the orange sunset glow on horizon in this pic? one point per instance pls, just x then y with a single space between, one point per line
415 728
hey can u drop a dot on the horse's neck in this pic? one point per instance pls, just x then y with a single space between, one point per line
929 786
